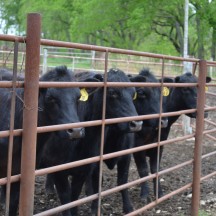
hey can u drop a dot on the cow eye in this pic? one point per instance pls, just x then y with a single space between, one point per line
186 90
50 99
113 94
141 93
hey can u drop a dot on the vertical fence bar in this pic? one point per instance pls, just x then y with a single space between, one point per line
198 138
159 129
29 135
45 55
12 116
102 134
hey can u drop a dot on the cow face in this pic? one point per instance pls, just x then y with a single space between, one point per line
147 100
59 105
119 102
187 96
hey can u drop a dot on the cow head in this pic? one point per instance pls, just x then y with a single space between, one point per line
187 96
119 101
147 100
59 105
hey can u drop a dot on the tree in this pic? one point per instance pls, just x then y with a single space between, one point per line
115 23
9 14
56 17
152 26
212 23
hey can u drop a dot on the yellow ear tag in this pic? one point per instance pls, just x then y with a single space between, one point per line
165 91
206 88
135 96
84 95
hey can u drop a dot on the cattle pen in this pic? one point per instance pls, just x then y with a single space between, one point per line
30 129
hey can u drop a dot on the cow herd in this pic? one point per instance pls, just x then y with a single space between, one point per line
71 105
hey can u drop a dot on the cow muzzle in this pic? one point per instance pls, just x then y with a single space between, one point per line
135 126
164 123
206 114
75 133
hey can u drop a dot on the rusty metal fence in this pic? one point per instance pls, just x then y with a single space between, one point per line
30 129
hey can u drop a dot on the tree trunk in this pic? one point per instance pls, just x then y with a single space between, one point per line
213 49
200 38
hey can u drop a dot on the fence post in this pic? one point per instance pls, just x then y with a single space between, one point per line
198 138
73 63
44 60
30 111
93 59
186 120
187 67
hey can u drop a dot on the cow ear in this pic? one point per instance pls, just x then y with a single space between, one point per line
86 91
208 79
177 79
129 76
99 77
167 80
42 91
138 78
41 96
91 80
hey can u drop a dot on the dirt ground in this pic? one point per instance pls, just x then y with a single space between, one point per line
178 205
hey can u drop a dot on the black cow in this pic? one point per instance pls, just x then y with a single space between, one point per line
119 104
56 106
7 75
179 98
146 101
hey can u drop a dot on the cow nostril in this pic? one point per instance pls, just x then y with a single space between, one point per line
82 132
76 133
135 125
206 114
164 123
70 131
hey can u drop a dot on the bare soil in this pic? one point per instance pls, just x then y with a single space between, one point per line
177 205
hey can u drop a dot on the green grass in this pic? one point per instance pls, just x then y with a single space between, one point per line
203 213
68 62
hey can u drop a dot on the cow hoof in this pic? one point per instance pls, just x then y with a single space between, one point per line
149 199
144 193
50 188
146 200
160 194
95 212
128 209
2 199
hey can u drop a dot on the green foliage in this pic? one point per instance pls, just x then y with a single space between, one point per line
8 13
145 25
203 213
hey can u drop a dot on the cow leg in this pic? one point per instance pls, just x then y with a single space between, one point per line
88 186
94 179
142 168
123 171
61 182
76 188
153 168
49 186
14 198
3 194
